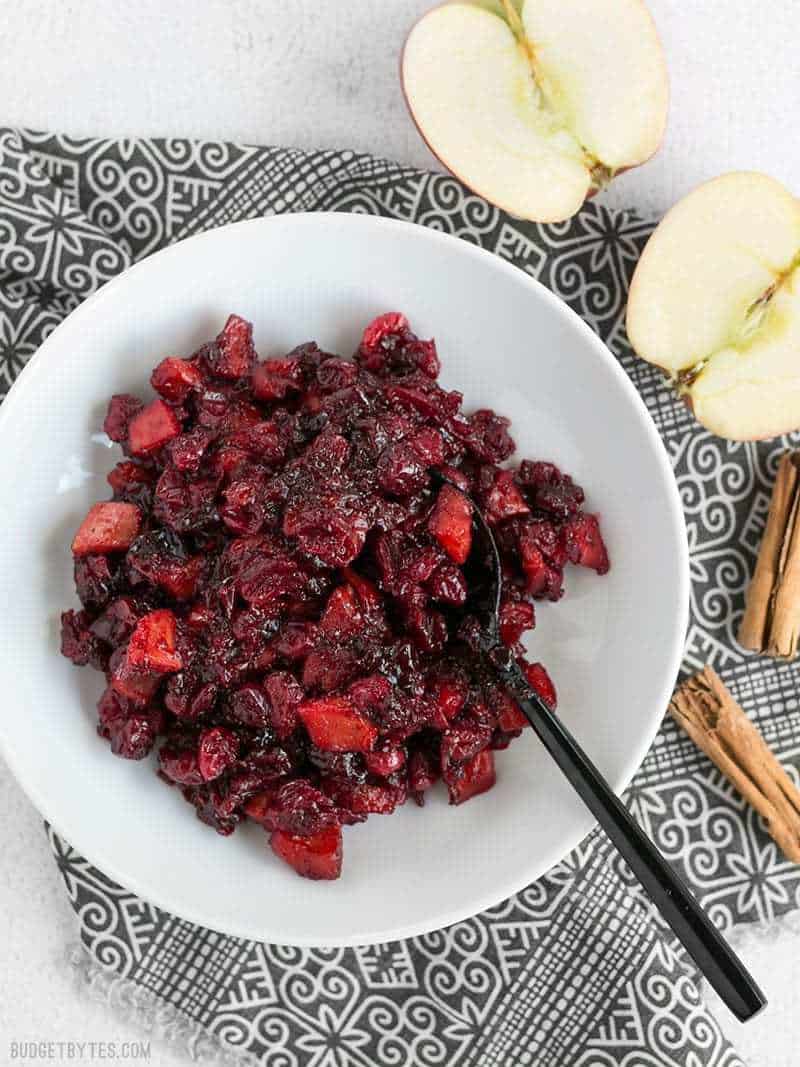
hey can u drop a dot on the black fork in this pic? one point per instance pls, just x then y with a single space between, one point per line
670 894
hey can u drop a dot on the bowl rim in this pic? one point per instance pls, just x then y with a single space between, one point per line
26 381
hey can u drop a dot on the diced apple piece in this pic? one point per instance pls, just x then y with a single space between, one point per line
533 112
448 695
335 726
318 856
180 577
108 527
342 616
450 523
540 680
152 427
584 543
509 714
175 378
478 776
715 301
152 644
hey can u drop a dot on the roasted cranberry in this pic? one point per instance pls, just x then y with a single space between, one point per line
95 580
233 355
180 765
423 772
78 643
135 737
133 483
448 585
187 450
121 409
185 503
216 751
333 535
334 374
285 694
276 378
249 706
118 621
400 470
488 438
459 745
386 760
242 509
380 338
296 807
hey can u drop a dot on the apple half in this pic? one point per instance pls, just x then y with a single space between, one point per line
535 105
715 302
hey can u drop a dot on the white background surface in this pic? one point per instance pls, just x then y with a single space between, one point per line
324 74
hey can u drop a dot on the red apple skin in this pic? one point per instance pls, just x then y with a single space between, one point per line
448 168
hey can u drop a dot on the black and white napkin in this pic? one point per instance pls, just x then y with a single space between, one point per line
573 971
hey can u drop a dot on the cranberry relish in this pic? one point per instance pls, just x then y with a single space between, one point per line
273 592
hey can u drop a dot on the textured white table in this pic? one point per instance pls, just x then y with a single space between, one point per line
325 75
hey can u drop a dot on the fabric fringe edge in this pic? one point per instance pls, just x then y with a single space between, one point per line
131 1003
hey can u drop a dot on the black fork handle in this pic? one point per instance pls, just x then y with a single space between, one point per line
670 894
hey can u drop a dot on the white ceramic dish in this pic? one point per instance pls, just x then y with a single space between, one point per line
612 645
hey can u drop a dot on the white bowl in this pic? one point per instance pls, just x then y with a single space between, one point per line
612 644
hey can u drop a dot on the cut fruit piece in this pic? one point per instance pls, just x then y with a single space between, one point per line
534 106
448 695
584 543
342 616
318 856
451 523
175 378
152 644
108 527
152 427
334 726
478 776
540 680
715 302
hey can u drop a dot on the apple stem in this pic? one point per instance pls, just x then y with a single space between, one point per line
602 176
685 379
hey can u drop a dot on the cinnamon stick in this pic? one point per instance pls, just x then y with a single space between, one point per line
706 710
771 622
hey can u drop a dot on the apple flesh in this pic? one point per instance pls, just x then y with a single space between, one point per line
536 105
715 302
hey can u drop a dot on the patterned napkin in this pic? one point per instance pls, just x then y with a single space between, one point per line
574 971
